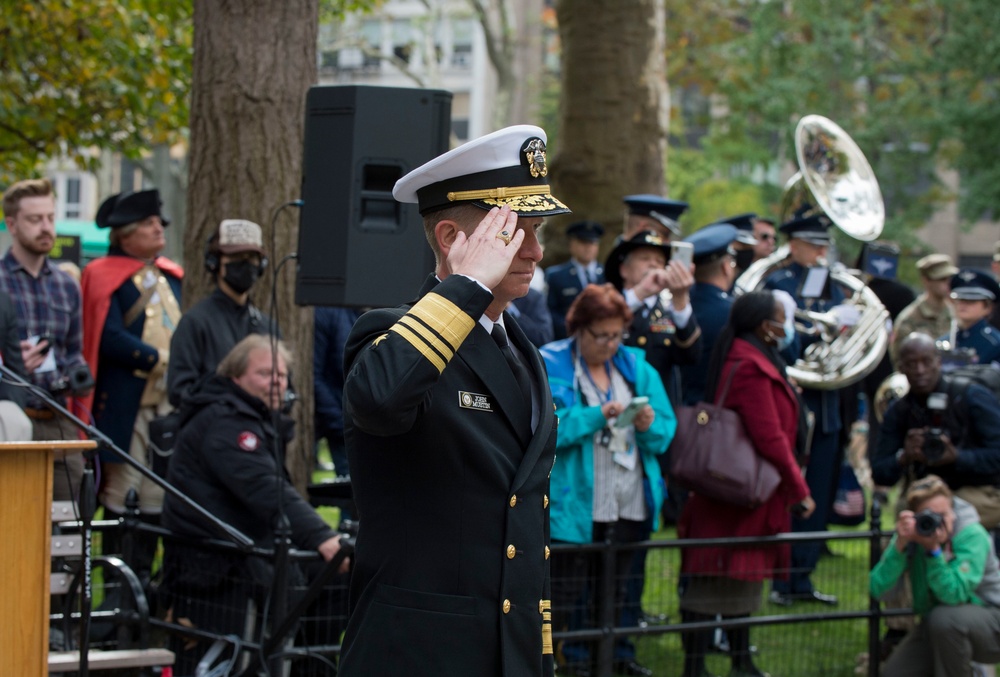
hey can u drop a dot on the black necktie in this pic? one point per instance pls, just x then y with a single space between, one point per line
521 374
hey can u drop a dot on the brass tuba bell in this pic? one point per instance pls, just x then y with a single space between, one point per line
834 181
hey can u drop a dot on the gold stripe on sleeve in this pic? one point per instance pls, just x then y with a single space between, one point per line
429 337
444 317
545 606
421 346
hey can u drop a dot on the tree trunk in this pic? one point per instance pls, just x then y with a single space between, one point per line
613 111
254 61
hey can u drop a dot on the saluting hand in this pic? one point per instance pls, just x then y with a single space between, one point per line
484 255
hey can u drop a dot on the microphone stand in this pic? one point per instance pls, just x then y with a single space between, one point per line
88 503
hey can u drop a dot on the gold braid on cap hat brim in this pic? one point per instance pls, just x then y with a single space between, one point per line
498 193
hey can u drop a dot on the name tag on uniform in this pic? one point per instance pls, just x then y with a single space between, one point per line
467 400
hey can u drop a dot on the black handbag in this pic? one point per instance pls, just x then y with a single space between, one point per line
712 455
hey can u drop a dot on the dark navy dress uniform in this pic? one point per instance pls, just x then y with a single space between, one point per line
566 281
451 572
667 346
450 460
982 338
711 307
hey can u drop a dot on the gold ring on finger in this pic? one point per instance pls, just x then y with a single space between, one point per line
505 236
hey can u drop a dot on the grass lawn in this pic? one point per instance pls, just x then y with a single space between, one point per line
828 648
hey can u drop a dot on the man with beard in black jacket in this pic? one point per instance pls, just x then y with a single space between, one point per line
225 459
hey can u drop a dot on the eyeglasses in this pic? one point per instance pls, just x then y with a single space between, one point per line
605 339
765 236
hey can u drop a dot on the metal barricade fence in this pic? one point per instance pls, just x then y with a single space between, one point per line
801 640
806 639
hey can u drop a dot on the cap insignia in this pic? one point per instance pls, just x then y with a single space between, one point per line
968 276
534 151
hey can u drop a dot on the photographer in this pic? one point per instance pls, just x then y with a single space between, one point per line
941 425
955 579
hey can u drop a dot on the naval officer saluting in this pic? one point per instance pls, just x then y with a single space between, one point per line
451 434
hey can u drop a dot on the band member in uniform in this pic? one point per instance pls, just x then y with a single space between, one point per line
131 302
451 434
744 244
567 280
763 232
973 294
655 213
807 279
931 312
714 272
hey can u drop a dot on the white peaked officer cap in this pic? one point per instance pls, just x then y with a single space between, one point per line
507 167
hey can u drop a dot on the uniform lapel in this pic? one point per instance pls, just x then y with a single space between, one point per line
547 412
483 357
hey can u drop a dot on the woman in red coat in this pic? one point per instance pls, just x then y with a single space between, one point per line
726 580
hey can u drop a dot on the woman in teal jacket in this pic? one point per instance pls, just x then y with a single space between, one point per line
606 480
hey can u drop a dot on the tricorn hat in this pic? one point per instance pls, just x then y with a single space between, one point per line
122 209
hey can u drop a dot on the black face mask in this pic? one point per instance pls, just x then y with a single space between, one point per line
744 258
240 275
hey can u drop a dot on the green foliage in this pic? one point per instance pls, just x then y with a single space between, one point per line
913 82
80 75
693 176
335 10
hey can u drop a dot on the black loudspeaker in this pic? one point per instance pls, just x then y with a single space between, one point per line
358 247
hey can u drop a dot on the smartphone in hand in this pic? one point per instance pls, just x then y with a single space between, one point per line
683 252
631 409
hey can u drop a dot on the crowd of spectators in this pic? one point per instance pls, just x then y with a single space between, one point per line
624 344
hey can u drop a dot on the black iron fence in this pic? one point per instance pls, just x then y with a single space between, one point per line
224 606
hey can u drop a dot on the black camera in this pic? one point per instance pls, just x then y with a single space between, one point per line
77 380
933 447
928 522
933 444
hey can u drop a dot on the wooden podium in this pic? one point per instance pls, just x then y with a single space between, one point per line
26 526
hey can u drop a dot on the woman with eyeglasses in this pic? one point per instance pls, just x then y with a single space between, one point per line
726 580
606 480
955 578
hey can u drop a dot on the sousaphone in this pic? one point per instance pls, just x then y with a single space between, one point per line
834 180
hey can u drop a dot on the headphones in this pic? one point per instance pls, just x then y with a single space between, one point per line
213 260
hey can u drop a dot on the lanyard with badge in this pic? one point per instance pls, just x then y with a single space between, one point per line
619 441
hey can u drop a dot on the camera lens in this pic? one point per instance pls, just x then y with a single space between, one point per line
927 522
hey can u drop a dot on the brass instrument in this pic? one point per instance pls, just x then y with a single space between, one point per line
834 180
894 387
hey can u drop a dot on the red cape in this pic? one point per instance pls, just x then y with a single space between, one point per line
100 279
